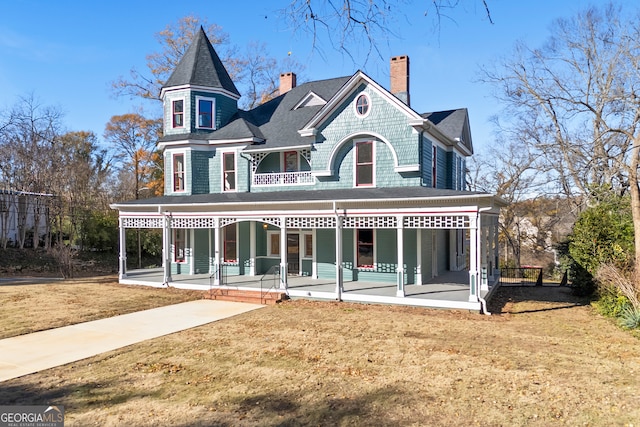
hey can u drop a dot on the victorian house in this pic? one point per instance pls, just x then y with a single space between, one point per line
335 186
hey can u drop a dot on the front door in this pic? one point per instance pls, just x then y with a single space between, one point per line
293 253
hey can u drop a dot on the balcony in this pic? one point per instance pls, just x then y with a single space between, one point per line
283 178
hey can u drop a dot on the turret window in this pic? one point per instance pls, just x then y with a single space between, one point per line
205 113
178 113
178 172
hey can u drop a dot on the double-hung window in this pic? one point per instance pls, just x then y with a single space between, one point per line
177 108
364 164
178 172
229 171
364 248
230 243
205 112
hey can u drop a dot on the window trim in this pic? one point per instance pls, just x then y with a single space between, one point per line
356 143
226 229
303 252
183 246
356 105
284 161
173 113
213 112
270 235
174 173
223 171
357 252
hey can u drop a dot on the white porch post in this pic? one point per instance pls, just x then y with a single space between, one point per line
484 251
339 272
123 250
400 249
283 253
419 256
474 258
314 260
166 249
496 247
252 248
217 266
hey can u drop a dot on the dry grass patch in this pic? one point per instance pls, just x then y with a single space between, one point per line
35 307
544 359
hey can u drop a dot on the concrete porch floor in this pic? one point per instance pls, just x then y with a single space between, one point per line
449 290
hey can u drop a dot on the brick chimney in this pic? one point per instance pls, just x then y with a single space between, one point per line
287 82
399 77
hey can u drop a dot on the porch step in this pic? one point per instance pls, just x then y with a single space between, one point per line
243 295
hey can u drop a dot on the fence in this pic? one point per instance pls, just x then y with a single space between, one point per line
524 276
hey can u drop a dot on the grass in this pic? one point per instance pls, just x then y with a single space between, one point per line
35 307
543 359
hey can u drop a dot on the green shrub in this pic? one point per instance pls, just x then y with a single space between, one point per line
611 303
630 318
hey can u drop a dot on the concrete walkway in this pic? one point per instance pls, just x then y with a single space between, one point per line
26 354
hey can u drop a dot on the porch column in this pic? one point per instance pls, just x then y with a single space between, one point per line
283 253
496 247
314 261
123 250
419 256
339 272
484 252
217 267
400 249
473 258
166 249
252 248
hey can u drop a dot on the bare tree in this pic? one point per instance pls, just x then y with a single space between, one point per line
253 70
579 94
133 138
354 25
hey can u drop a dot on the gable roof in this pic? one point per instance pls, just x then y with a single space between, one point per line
453 124
279 120
350 85
201 66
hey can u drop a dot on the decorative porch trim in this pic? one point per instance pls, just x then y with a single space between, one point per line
142 222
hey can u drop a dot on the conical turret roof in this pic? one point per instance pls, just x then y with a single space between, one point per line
201 66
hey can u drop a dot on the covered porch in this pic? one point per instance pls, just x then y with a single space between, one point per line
449 290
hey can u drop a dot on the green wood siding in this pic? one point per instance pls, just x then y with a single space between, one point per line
441 165
200 172
326 257
344 126
201 250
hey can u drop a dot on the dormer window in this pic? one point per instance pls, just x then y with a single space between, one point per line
205 112
178 113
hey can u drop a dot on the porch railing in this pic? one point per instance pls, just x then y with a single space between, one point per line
270 280
523 276
284 178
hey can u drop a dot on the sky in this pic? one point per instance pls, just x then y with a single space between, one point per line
67 53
